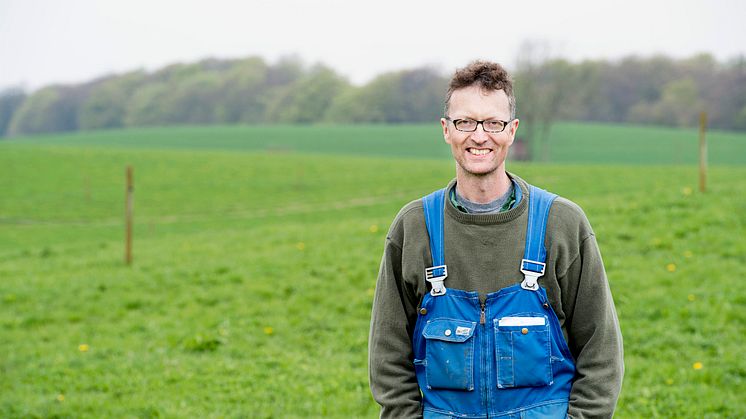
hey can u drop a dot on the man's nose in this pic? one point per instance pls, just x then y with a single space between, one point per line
479 135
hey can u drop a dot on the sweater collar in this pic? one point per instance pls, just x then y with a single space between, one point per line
501 217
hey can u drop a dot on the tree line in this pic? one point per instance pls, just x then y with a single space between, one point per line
652 90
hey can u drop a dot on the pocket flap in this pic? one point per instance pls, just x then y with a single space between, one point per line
522 321
449 330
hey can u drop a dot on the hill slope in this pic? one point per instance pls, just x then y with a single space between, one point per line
569 143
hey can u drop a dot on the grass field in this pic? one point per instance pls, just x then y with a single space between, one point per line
254 271
570 142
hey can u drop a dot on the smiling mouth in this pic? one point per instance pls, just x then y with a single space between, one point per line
478 151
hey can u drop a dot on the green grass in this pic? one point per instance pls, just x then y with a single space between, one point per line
253 276
383 140
614 144
569 142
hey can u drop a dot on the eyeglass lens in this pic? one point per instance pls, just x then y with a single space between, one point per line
471 125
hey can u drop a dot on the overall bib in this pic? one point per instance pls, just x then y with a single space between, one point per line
504 358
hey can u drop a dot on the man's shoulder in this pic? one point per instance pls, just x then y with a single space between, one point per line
410 212
568 218
409 221
567 209
563 210
409 209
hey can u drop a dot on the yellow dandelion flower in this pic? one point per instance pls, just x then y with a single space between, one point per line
60 397
691 297
669 381
300 246
697 365
83 347
269 330
686 191
688 253
373 228
671 267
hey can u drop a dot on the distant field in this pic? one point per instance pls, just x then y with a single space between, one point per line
251 289
570 142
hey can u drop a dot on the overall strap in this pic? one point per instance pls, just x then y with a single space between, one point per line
535 254
434 205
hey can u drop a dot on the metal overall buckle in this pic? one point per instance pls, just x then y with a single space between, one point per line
435 277
531 278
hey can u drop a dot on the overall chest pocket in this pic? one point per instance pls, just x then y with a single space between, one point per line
523 350
449 354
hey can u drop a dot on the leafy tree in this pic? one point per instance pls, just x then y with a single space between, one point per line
285 71
306 100
10 101
350 106
243 92
679 105
106 106
51 109
542 86
739 120
175 73
403 96
657 90
145 107
192 100
726 97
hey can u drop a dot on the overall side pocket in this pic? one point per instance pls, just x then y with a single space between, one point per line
523 350
449 354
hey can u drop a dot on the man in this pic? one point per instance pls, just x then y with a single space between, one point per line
477 313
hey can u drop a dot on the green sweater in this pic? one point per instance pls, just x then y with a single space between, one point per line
483 253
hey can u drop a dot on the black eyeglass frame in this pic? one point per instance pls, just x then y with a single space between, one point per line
456 121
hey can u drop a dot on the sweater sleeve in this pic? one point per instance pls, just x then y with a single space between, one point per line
390 357
594 336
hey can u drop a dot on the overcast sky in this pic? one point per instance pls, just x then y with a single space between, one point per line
50 41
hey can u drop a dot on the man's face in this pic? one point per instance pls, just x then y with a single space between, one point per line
479 153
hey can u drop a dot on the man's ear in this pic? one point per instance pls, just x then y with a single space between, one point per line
514 127
444 124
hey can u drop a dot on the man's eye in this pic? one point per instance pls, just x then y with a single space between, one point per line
493 125
465 123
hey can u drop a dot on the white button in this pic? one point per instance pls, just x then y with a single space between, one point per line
448 332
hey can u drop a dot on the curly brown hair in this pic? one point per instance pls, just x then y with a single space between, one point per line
488 75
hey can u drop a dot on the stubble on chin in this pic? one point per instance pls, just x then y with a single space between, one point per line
463 172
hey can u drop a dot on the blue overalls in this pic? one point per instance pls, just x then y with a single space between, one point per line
504 358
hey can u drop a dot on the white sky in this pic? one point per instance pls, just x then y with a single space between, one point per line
48 41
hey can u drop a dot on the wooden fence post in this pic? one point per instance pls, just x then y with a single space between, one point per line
702 151
128 217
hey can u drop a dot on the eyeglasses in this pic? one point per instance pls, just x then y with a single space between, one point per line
470 125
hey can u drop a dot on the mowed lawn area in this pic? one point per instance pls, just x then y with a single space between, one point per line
255 261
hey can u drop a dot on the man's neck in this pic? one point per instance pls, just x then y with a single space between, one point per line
482 189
